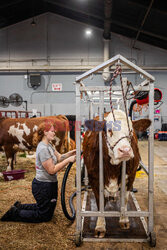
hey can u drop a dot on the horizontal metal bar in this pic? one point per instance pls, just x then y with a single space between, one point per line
111 62
105 103
63 68
114 240
114 214
114 88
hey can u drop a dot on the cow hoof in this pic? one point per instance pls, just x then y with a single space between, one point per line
124 225
100 232
8 168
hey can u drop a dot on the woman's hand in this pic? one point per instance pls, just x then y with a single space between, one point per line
72 152
72 158
66 155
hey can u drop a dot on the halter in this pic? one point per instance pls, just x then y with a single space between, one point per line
112 147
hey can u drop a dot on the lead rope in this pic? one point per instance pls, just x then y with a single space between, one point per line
134 91
124 99
117 72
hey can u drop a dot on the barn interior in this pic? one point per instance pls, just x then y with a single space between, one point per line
45 45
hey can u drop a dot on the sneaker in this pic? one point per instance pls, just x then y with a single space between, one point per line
10 214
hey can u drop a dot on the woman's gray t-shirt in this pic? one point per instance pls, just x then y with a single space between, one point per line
43 153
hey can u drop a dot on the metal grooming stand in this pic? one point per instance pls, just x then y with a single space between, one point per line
81 212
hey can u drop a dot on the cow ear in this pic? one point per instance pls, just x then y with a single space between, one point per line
100 126
89 124
141 125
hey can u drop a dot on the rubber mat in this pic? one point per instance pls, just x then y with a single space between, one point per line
113 229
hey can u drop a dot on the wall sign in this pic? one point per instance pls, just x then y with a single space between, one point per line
56 86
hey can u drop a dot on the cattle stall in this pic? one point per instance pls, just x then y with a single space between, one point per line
86 214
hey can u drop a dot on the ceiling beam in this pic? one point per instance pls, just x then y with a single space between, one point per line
86 12
7 4
144 6
142 23
124 25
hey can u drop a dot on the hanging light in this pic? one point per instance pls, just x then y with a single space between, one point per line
88 32
33 23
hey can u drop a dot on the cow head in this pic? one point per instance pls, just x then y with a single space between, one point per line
117 135
119 143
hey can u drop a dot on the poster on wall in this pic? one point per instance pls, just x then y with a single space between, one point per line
56 86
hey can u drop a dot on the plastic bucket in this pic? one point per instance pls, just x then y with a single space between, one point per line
14 175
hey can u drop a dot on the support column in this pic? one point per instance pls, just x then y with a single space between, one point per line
78 160
101 172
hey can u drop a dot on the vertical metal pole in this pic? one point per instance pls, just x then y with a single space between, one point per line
123 182
78 159
86 181
151 160
123 188
91 110
101 174
125 86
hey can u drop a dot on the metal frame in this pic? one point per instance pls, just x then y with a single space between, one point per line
81 213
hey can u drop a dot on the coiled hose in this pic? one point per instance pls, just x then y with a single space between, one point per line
63 189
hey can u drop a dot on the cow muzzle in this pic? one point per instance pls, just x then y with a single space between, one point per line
125 152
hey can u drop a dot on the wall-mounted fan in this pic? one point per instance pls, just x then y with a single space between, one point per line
15 99
4 102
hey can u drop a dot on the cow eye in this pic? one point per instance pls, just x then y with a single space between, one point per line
110 131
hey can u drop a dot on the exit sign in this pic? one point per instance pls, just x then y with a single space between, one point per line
56 86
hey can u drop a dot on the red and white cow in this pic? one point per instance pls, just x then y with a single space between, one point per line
17 134
117 147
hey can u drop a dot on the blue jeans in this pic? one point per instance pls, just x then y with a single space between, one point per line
45 194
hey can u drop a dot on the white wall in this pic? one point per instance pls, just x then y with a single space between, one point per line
59 41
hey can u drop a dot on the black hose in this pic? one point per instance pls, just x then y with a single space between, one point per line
131 108
63 189
130 114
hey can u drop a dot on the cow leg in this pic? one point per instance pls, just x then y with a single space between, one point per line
124 220
15 159
9 166
10 163
10 155
100 228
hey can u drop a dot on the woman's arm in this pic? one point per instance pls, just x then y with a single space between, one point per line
53 169
61 157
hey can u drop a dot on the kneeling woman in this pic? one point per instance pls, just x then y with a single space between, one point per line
44 185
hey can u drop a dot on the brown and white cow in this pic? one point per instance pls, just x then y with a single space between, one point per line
17 134
117 149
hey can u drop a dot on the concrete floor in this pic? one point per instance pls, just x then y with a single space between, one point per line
160 189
